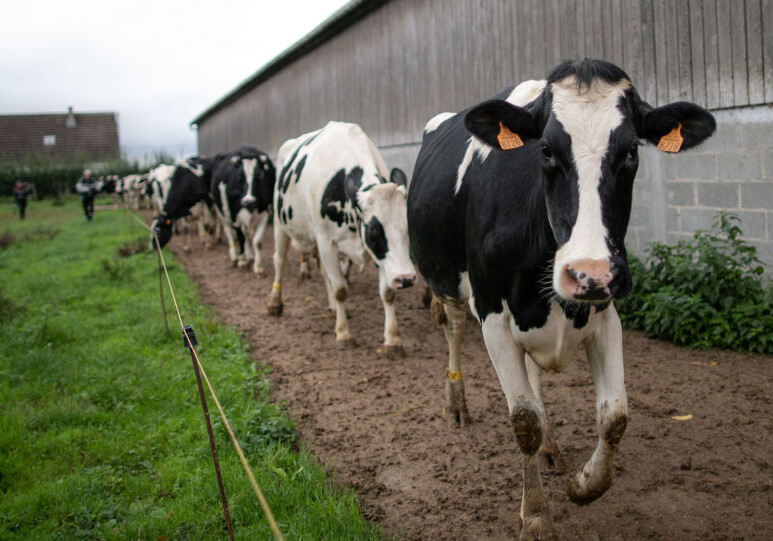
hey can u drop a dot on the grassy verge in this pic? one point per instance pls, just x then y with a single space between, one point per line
101 430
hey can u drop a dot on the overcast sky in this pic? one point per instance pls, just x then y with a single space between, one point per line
158 64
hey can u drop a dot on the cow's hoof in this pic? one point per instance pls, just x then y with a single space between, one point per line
260 272
275 309
304 275
537 528
346 343
455 410
391 352
242 263
186 249
208 245
581 493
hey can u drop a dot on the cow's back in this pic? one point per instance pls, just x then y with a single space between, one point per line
312 169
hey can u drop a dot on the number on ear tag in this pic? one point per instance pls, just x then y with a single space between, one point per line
508 140
672 141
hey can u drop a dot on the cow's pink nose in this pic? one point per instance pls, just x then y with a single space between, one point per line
587 279
403 281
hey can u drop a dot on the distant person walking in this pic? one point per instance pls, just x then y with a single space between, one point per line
87 188
21 190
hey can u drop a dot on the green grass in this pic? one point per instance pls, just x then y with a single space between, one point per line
101 430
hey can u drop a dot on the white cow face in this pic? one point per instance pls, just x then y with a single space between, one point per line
384 232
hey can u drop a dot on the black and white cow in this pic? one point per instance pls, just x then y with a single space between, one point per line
242 189
519 206
187 193
157 187
332 195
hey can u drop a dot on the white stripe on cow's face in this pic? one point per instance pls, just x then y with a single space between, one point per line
588 116
249 165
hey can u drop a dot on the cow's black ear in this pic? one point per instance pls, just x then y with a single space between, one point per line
398 177
658 125
352 185
501 124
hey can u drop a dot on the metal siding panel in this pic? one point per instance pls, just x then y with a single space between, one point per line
725 50
696 52
738 31
594 35
671 52
632 54
711 52
661 52
684 67
616 54
754 51
767 48
567 26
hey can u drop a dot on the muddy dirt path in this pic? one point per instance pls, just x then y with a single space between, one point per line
377 423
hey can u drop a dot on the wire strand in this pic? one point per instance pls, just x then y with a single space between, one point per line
242 459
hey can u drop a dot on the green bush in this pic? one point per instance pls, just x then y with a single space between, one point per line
707 292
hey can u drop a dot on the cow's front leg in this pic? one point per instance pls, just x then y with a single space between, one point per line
245 249
281 244
257 239
339 289
452 315
393 345
527 416
605 354
230 236
549 453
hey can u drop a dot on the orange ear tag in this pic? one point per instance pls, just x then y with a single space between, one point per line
672 141
507 139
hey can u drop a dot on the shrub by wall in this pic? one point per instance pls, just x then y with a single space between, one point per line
707 292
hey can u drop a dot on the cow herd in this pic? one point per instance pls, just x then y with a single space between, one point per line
516 211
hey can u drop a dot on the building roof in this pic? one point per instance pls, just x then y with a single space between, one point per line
334 25
84 136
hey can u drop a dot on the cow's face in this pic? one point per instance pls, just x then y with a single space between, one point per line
160 229
384 232
245 184
585 136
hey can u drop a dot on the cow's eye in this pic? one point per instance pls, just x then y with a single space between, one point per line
633 152
546 152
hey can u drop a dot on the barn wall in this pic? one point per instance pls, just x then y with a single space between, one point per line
411 59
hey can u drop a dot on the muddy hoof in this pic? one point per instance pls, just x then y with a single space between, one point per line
186 249
304 275
260 272
242 263
391 352
275 309
585 495
347 343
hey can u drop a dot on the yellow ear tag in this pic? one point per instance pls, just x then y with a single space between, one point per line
507 139
672 141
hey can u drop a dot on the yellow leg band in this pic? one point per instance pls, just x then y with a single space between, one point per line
454 376
276 286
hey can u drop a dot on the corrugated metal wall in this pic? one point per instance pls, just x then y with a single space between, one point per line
411 59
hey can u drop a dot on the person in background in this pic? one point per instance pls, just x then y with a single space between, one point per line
87 188
21 191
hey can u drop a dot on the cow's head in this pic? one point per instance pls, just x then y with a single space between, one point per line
160 229
585 129
253 180
383 225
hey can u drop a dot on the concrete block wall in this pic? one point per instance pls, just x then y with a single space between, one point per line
674 195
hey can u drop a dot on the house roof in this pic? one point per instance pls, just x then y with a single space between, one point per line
328 29
91 137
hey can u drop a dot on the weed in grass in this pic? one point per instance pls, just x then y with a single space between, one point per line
137 246
6 239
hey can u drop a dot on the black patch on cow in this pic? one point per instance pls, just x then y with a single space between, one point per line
352 229
289 213
299 168
352 185
286 173
334 198
284 217
586 70
375 238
